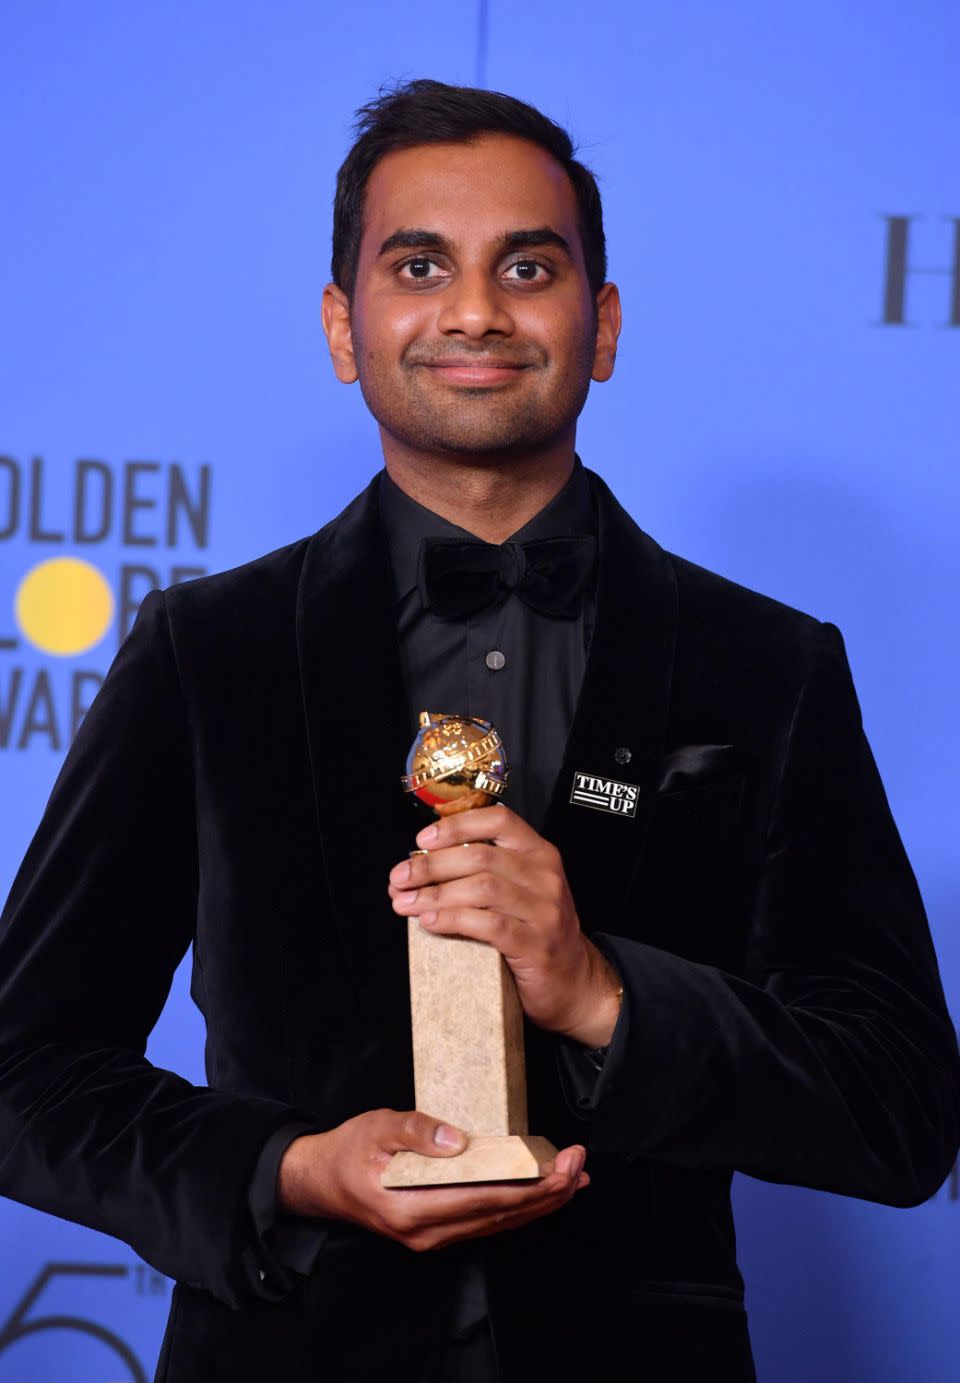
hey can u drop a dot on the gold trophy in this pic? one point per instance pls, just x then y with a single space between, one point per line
468 1061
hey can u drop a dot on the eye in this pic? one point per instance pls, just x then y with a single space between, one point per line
531 271
417 266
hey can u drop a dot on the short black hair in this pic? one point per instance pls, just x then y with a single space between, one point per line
428 112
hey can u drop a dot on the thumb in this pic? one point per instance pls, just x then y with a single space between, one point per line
423 1133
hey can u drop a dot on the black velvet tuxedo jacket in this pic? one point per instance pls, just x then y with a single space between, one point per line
235 786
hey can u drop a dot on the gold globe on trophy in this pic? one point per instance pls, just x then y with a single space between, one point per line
467 1022
455 763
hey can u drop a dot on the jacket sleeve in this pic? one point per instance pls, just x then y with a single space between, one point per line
285 1244
100 914
579 1068
832 1062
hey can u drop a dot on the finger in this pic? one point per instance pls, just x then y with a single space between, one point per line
551 1191
447 1207
450 1204
456 862
481 890
413 1131
497 1221
512 1216
465 860
571 1159
554 1190
497 823
508 935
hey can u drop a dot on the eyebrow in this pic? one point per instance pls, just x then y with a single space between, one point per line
415 238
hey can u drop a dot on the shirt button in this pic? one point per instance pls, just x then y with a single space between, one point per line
495 660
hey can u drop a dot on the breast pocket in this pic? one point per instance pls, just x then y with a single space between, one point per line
690 892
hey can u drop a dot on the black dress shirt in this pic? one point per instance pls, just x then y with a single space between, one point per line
508 664
522 671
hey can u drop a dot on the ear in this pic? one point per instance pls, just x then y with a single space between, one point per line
335 315
609 321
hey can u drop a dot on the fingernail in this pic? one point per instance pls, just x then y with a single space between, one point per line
400 873
406 897
577 1167
428 834
427 919
446 1137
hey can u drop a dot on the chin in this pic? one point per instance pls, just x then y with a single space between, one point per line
471 445
467 436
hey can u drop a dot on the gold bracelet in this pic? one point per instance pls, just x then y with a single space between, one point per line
596 1054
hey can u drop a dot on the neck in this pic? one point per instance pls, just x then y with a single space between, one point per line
490 498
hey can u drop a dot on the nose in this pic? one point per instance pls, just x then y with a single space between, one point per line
474 306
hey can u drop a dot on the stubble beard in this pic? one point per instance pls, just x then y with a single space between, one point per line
473 421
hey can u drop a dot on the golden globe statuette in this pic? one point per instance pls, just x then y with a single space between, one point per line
468 1060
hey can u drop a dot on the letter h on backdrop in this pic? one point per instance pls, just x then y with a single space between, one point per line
898 266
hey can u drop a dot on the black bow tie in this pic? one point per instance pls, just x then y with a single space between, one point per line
459 578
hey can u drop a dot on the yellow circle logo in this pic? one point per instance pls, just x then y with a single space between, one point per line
64 605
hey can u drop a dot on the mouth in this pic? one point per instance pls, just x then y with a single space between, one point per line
476 374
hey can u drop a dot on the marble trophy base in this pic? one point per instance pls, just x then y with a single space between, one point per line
468 1064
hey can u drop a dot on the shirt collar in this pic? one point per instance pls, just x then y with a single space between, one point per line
406 523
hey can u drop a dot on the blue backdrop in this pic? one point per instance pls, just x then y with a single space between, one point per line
782 211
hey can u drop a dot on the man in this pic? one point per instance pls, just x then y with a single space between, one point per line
737 973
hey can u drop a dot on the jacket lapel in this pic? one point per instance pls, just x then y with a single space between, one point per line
623 704
359 732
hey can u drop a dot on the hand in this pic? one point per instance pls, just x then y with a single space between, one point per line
509 889
337 1175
